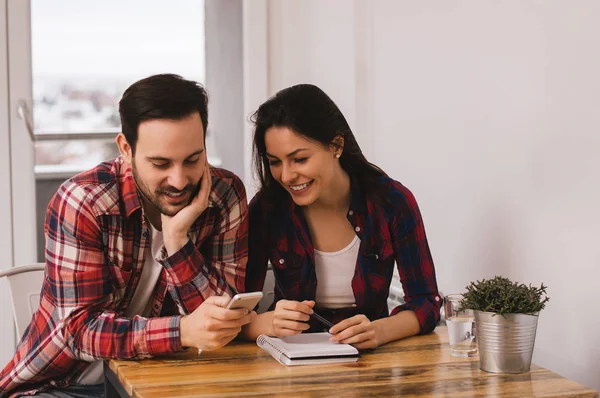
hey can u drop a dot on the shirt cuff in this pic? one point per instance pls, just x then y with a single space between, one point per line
427 311
163 335
184 265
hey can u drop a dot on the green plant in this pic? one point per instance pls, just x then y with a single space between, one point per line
502 296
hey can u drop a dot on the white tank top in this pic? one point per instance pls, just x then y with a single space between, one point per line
335 271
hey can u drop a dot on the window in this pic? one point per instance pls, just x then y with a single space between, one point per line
86 53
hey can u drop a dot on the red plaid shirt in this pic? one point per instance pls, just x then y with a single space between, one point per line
388 234
97 241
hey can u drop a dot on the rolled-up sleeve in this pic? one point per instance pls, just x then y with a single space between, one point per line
415 265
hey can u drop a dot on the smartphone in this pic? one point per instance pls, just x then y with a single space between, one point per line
245 300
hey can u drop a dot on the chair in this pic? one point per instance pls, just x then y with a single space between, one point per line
396 297
25 283
268 291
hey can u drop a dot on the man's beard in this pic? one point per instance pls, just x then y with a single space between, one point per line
154 197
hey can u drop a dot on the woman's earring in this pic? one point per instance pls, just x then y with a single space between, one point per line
337 156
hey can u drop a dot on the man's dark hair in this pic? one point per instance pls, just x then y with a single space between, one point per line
165 96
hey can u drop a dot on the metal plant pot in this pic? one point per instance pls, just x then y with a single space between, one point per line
505 342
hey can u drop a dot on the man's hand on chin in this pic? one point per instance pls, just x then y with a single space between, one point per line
176 228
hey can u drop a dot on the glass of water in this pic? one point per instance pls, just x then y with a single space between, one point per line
461 327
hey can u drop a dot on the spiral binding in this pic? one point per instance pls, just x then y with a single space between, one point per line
275 352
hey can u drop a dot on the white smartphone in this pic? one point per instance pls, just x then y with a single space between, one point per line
245 300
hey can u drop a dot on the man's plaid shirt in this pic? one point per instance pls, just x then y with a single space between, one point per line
389 234
97 240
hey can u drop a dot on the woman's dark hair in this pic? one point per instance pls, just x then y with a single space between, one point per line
164 96
308 111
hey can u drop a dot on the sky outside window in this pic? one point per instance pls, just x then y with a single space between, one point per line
85 53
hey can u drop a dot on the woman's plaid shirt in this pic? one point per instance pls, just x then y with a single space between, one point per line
393 233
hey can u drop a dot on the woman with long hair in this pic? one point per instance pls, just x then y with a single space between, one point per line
332 225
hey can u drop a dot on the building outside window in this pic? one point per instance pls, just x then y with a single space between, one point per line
86 53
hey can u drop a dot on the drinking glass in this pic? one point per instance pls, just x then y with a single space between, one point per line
461 327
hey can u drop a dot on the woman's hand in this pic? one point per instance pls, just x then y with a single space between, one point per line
290 317
358 331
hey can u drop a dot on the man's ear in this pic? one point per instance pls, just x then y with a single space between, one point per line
124 147
337 146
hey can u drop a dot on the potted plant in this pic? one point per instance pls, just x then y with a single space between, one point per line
506 315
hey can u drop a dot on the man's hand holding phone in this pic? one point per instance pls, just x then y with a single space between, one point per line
176 228
212 325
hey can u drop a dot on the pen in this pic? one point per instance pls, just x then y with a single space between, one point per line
314 315
322 320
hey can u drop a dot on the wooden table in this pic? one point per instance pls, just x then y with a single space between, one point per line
417 366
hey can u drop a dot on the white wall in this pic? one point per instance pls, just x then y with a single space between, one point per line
17 201
6 247
494 108
255 48
223 28
489 112
22 151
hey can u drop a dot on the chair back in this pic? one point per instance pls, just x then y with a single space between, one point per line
25 283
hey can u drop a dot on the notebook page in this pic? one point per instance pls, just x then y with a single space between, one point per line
311 345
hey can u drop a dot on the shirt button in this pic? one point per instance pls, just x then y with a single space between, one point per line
156 306
351 212
357 229
377 257
437 298
281 261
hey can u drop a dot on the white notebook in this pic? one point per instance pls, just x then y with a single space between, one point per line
307 349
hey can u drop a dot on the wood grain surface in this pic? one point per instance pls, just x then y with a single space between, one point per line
415 367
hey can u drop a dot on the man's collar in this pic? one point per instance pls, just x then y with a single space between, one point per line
129 194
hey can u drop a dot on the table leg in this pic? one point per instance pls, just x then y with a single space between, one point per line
112 385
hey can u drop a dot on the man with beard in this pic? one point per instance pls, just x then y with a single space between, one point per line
142 252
